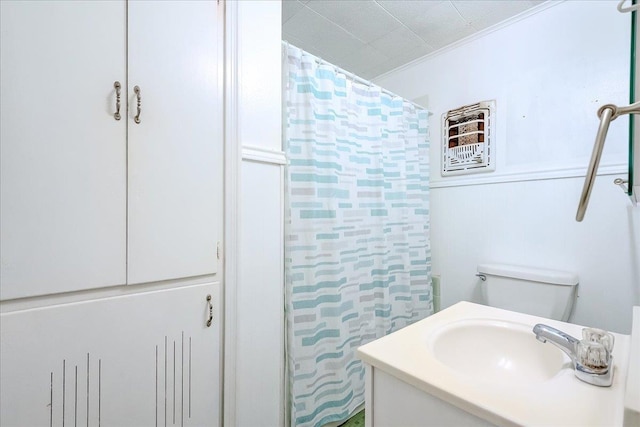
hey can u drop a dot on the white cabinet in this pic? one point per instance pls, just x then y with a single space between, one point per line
88 201
175 152
136 360
63 156
390 402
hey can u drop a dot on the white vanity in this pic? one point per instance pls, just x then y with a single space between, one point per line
480 366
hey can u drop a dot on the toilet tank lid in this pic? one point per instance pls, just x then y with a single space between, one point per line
529 273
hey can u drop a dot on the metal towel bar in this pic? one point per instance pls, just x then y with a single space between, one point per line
622 8
607 114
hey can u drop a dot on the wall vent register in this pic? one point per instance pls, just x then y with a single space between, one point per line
467 139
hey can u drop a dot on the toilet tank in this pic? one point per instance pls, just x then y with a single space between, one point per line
545 293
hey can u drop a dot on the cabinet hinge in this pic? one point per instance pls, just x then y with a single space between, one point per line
218 250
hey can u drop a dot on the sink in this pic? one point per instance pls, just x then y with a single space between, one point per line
470 360
496 351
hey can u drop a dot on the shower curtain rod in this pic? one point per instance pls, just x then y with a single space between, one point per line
353 76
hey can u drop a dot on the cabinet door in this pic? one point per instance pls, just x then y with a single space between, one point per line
62 153
175 151
139 360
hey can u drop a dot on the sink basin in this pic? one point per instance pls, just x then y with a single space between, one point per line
496 351
471 360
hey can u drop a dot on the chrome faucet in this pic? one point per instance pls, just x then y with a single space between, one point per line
591 358
563 341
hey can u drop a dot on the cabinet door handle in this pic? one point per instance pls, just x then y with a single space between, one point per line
210 319
117 86
136 89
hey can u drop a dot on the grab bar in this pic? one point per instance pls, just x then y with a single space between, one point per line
622 8
607 114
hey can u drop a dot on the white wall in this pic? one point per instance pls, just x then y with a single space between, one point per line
256 326
549 73
260 363
260 74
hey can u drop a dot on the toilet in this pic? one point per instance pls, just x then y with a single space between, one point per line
544 293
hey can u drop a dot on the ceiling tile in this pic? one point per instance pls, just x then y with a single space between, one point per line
397 42
410 13
327 56
444 26
483 14
437 23
397 62
316 32
367 74
291 39
365 19
405 9
372 37
402 59
290 8
362 59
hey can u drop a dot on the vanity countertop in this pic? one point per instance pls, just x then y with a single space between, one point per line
562 400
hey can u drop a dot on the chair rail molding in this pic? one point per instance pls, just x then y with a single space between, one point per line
526 175
253 153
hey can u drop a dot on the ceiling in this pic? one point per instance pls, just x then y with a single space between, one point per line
371 37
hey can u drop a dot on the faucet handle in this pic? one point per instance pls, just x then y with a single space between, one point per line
593 356
599 336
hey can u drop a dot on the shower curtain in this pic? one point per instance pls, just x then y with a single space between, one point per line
358 260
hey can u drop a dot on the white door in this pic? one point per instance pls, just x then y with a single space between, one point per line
175 151
62 153
147 359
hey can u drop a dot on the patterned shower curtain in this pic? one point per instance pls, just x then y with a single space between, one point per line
358 259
